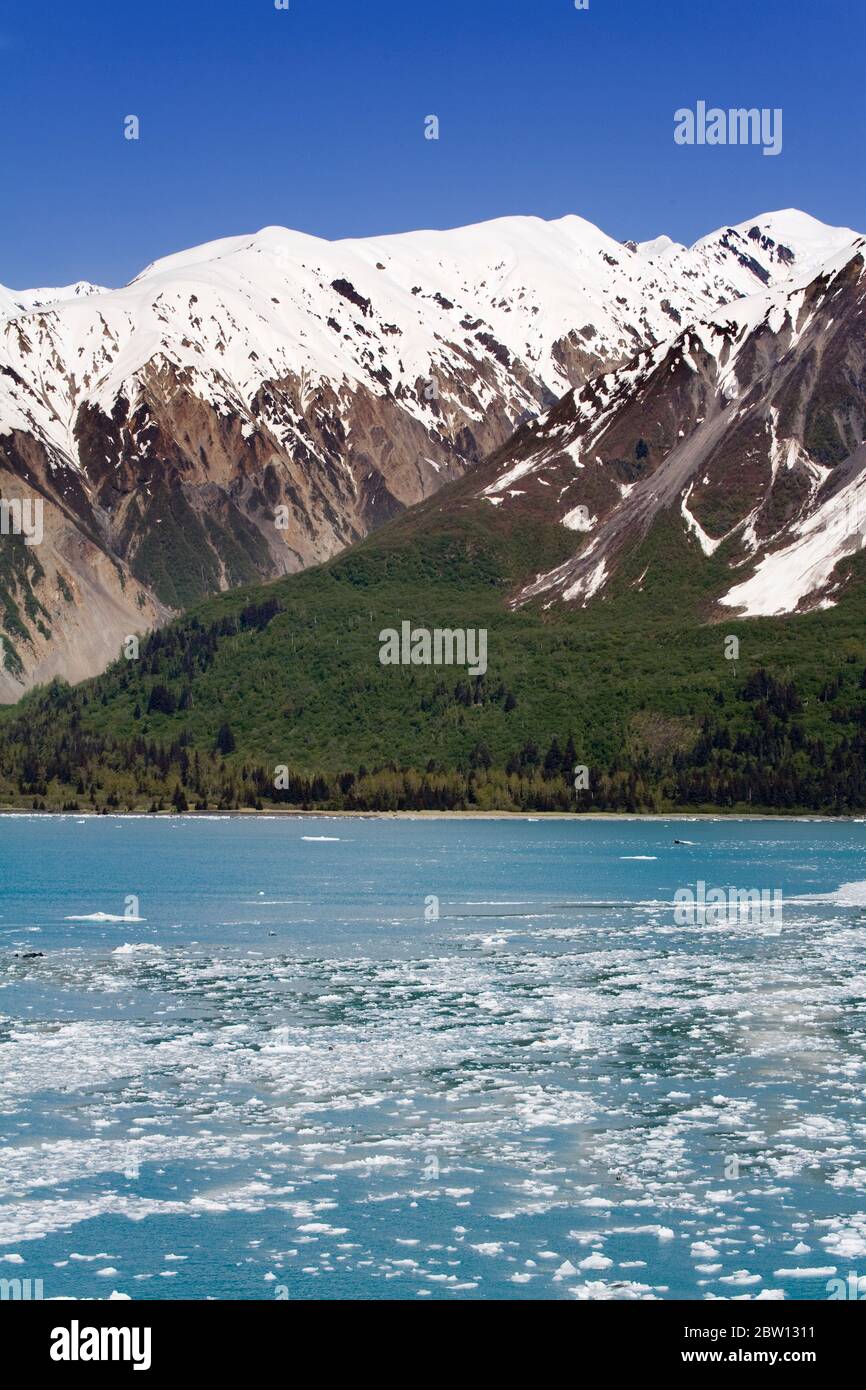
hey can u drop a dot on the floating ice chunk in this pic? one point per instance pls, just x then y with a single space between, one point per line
594 1261
103 917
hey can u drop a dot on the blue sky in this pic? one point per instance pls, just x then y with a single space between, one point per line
314 118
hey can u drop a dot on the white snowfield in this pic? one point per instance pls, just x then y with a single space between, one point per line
377 312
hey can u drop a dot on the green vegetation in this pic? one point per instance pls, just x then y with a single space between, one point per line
181 554
20 571
636 687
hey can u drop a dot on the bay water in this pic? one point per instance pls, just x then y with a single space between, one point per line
287 1057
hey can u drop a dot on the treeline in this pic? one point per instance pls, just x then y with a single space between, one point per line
755 751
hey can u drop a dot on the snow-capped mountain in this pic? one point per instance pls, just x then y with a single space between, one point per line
13 302
754 255
250 406
749 427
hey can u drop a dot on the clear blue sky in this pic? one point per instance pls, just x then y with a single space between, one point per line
313 118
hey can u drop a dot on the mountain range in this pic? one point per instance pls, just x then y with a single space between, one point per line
666 556
253 407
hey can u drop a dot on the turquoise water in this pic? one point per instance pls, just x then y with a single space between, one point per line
290 1079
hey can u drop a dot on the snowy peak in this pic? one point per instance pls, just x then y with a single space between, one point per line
752 256
13 302
657 248
40 299
769 249
559 297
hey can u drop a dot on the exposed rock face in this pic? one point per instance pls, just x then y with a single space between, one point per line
750 428
250 407
67 602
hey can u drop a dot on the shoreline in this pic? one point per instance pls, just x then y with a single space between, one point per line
275 813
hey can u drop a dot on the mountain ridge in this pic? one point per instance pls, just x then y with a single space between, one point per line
171 427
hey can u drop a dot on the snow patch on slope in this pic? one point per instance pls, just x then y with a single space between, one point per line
579 519
588 586
707 544
787 577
